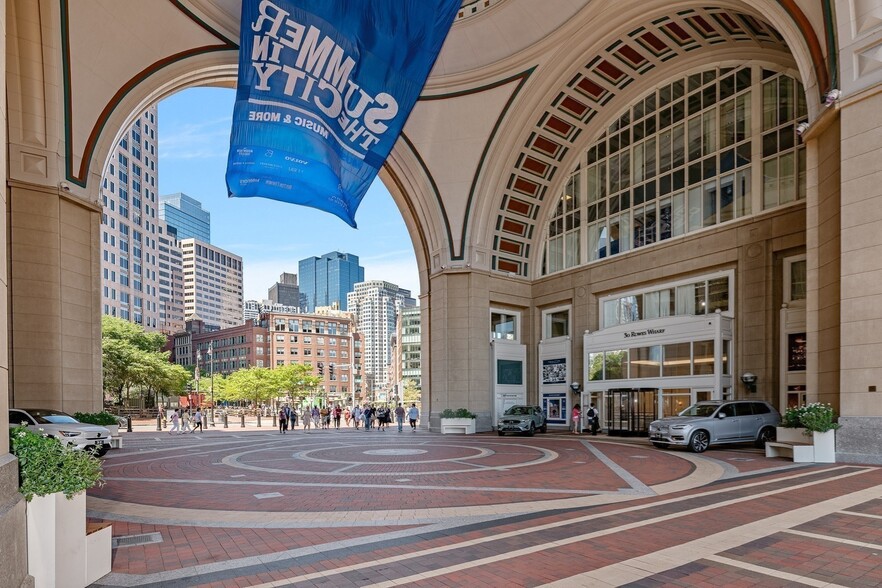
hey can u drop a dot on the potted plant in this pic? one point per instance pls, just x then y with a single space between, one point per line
104 419
53 478
461 420
815 421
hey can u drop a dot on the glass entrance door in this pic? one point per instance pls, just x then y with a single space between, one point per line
630 410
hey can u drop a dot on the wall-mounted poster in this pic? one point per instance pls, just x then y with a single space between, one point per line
555 407
554 371
796 352
510 372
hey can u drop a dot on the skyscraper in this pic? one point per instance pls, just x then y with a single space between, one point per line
376 305
185 215
285 291
328 279
212 284
171 281
129 223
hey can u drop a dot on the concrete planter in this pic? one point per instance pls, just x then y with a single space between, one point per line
114 430
60 555
461 426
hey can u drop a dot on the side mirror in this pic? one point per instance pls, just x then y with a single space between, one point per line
721 415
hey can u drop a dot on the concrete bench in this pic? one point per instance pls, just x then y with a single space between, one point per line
798 452
116 442
452 429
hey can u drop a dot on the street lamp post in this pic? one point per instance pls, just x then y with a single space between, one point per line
211 371
190 396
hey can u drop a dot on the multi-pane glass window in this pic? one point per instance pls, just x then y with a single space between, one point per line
687 156
694 358
704 296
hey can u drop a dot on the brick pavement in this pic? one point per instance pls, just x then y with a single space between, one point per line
350 508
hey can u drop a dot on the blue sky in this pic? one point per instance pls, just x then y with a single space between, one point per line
271 237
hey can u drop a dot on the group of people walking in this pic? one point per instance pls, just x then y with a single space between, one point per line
365 418
183 421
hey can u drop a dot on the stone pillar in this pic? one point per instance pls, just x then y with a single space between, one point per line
459 346
860 438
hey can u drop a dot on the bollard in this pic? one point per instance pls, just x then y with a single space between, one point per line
159 422
226 423
242 414
258 419
128 424
275 424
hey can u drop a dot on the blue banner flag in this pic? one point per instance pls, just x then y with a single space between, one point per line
325 88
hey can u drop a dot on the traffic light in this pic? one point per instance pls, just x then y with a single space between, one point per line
331 368
321 368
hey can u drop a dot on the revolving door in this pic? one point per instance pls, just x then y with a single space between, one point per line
630 410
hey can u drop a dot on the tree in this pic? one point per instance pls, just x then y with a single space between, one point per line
295 380
256 384
412 392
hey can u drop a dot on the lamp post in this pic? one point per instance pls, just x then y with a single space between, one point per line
198 359
211 371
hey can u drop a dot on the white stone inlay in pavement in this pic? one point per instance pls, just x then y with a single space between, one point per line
268 495
394 452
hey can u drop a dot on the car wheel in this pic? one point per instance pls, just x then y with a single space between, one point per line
543 428
765 434
660 445
699 441
532 430
501 434
100 450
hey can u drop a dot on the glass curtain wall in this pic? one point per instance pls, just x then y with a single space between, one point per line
679 160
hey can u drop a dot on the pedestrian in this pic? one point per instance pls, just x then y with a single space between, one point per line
326 417
288 417
338 413
283 421
593 419
175 422
316 417
356 416
399 417
347 416
577 416
185 422
413 413
366 414
197 420
307 418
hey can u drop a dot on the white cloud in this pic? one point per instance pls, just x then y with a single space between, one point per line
205 140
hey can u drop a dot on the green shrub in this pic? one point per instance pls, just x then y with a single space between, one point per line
814 417
47 466
459 413
96 418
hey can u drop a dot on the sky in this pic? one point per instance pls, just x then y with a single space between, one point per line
270 236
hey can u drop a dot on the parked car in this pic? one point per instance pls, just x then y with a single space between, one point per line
522 419
63 427
715 422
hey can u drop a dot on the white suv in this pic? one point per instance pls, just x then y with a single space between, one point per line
63 427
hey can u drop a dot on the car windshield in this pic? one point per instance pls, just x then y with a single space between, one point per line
518 410
700 410
51 417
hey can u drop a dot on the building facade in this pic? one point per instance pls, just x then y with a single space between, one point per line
254 308
327 280
220 351
171 282
325 343
185 216
130 226
376 304
212 284
286 291
512 114
409 341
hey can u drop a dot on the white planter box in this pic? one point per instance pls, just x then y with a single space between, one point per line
814 448
461 426
56 541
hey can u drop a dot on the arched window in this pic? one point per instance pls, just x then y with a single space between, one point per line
701 150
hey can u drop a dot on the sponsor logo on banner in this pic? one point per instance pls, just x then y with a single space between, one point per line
324 90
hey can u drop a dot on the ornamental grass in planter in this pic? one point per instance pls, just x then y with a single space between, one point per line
459 413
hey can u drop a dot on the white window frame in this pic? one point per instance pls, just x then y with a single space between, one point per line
546 317
788 276
507 312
